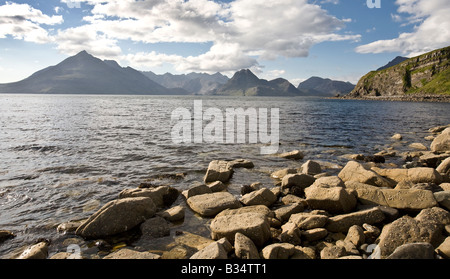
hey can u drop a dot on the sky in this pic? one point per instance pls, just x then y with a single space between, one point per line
292 39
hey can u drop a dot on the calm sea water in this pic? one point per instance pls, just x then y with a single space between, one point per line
63 156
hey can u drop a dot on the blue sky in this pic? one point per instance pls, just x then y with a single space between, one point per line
293 39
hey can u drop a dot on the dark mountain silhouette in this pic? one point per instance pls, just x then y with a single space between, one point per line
316 86
397 60
86 74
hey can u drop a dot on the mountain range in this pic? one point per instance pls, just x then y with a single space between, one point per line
86 74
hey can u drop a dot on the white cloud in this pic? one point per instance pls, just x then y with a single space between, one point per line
431 29
21 21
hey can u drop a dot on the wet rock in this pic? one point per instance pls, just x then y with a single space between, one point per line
260 197
414 175
116 217
300 180
311 168
193 241
173 214
279 174
278 251
211 204
241 163
375 159
129 254
253 225
5 235
214 251
442 142
245 248
246 189
38 251
162 196
217 186
307 221
354 171
155 227
397 137
418 146
443 198
333 200
70 226
218 171
413 251
342 223
295 155
196 190
438 129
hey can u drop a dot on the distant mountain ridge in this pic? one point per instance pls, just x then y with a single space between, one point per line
397 60
316 86
193 83
245 83
86 74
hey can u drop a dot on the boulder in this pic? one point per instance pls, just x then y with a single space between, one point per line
328 182
155 227
241 163
333 200
444 249
438 129
284 212
214 251
427 227
307 221
342 223
413 251
418 146
311 168
333 252
314 234
260 197
414 175
244 248
295 155
173 214
253 225
304 253
409 199
162 196
290 234
5 235
38 251
397 137
279 174
278 251
217 186
260 209
196 190
432 160
210 204
444 167
300 180
356 235
197 242
354 171
117 216
442 142
129 254
443 198
218 171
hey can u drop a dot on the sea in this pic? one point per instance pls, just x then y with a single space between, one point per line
62 157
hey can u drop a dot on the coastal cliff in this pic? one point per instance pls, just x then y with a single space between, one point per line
427 74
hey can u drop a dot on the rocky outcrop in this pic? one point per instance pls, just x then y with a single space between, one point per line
418 75
442 142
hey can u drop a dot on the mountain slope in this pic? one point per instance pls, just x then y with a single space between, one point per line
397 60
85 74
316 86
245 83
425 74
194 83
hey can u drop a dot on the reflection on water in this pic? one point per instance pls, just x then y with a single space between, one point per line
62 157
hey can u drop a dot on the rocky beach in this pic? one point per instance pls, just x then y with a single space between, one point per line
369 210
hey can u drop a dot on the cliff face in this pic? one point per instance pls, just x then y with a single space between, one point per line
425 74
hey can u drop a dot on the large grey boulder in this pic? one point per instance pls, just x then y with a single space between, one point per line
414 175
334 200
210 204
116 217
260 197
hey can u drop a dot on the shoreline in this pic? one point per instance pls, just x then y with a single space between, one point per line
402 98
